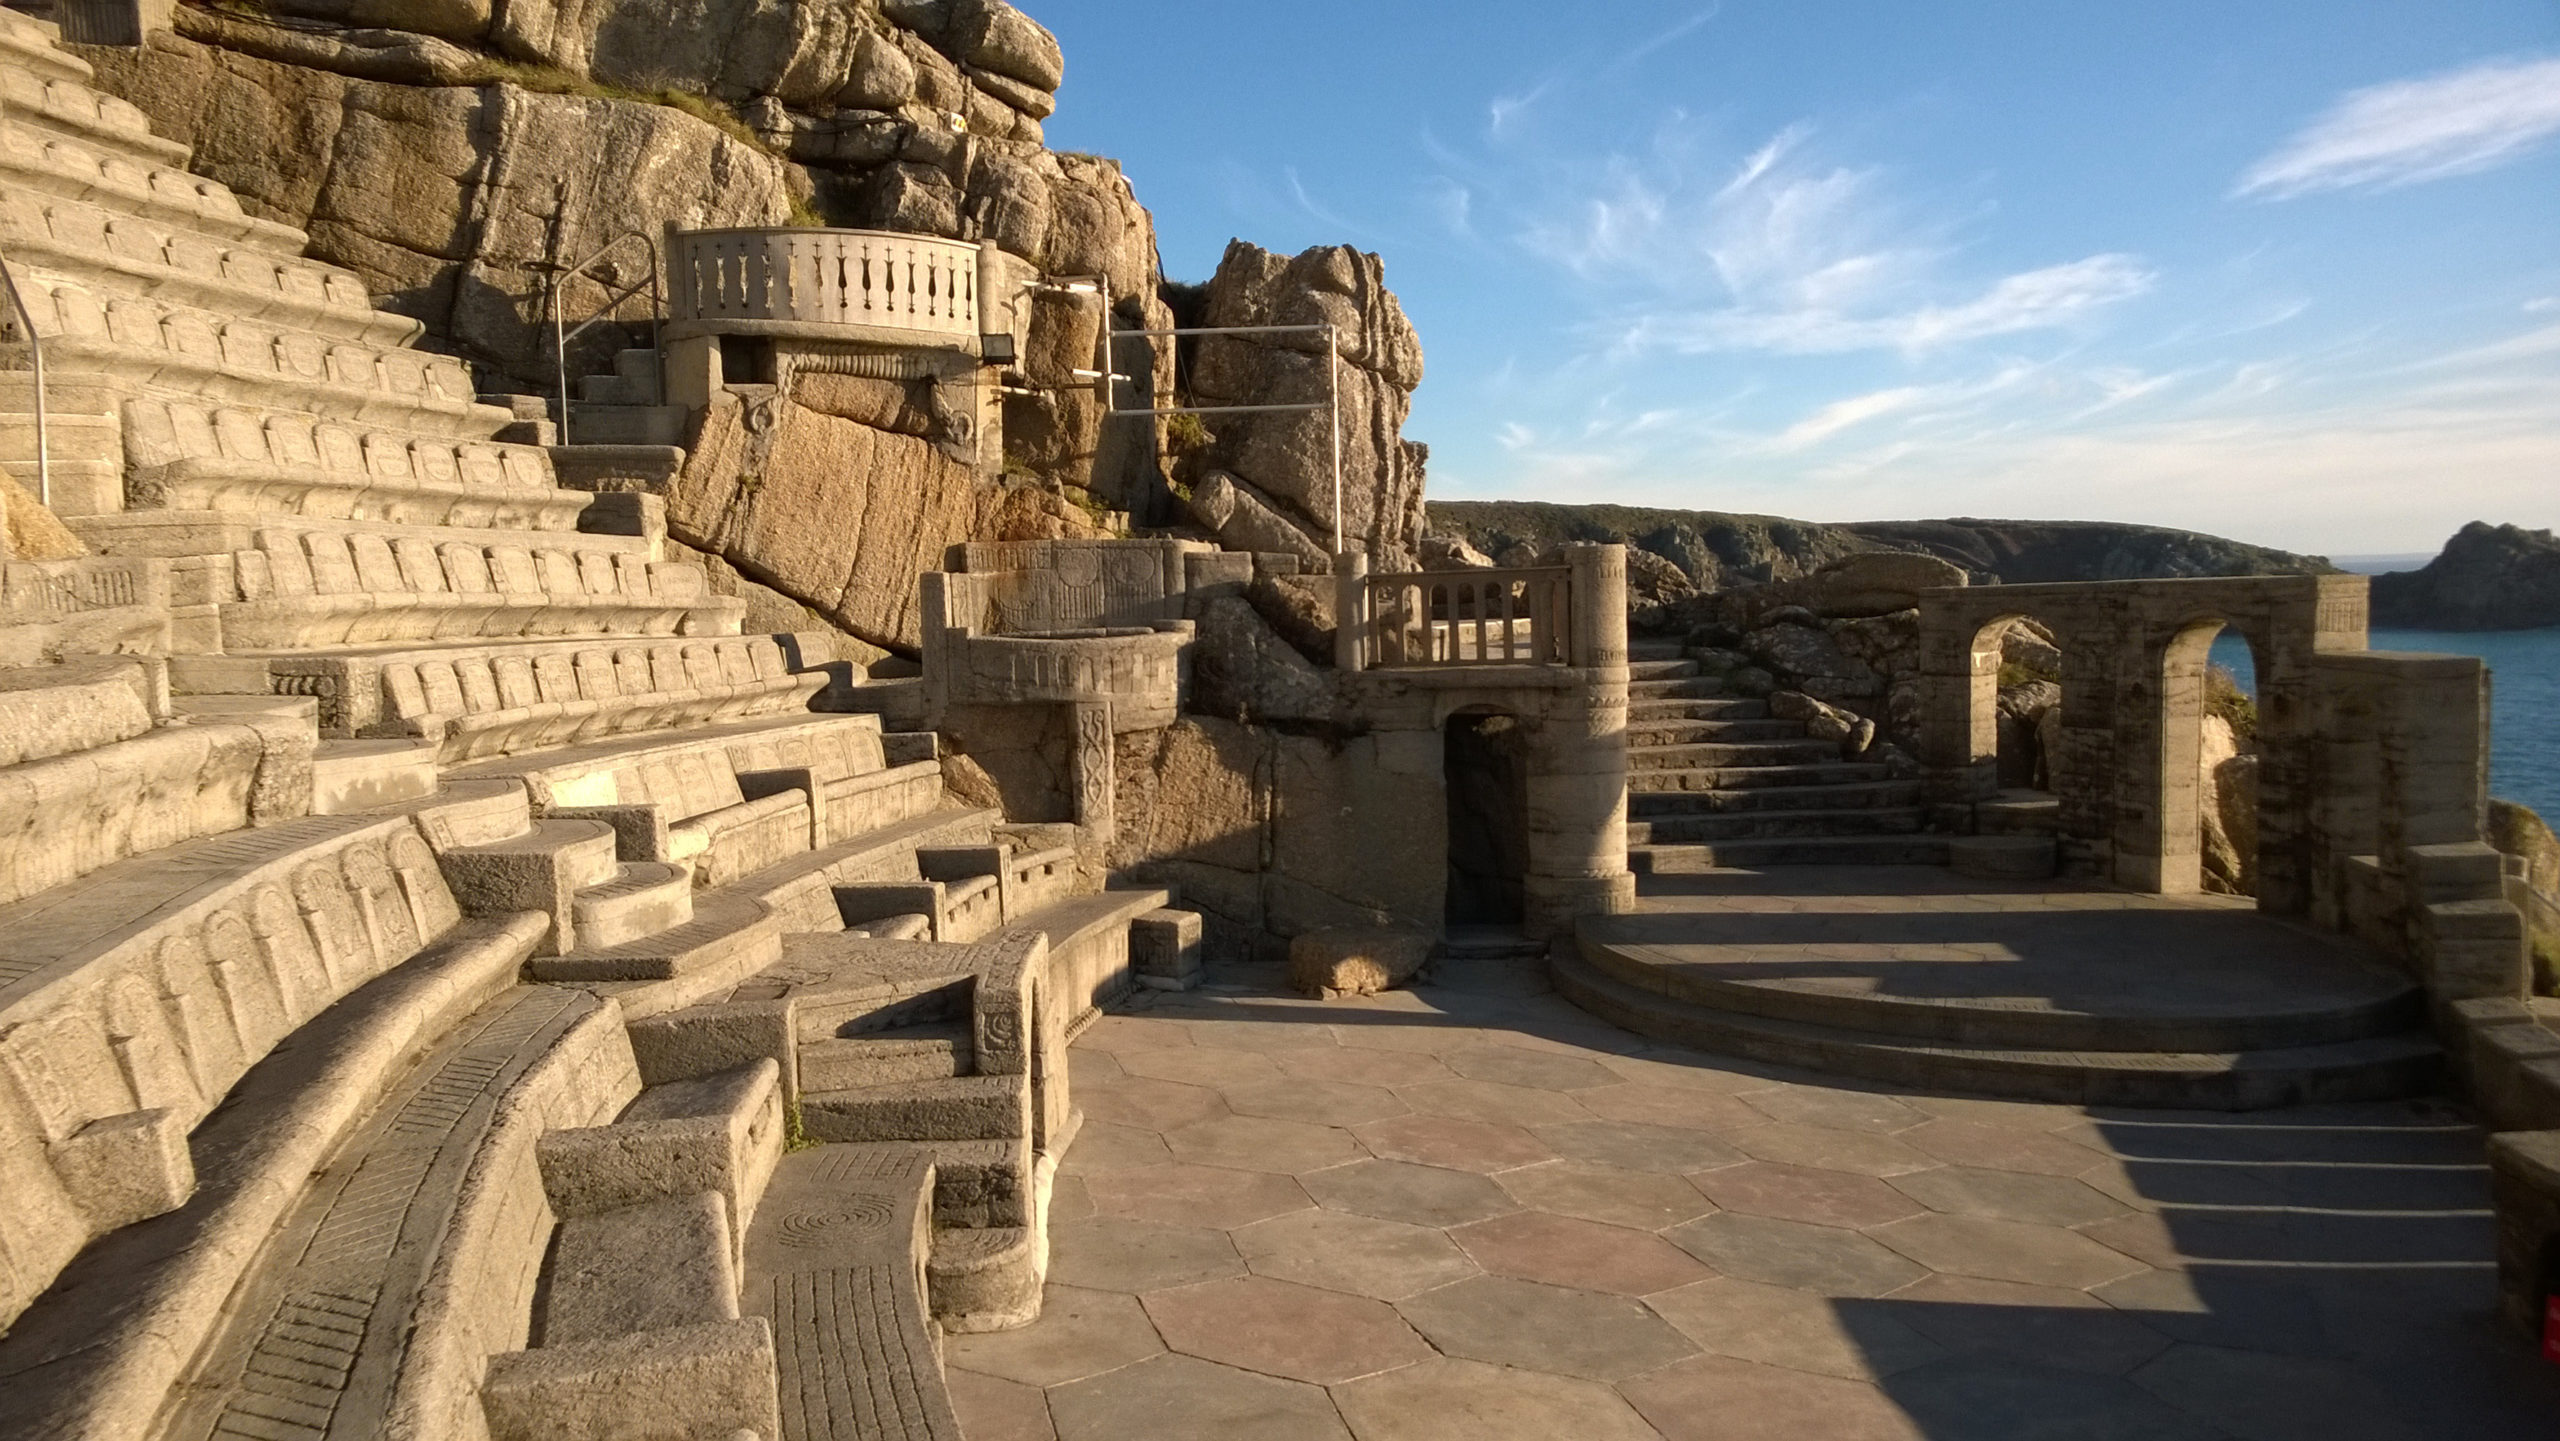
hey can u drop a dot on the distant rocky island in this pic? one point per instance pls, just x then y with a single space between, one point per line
1717 549
2489 577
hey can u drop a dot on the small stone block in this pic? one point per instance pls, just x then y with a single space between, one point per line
650 1267
1356 961
1164 949
128 1168
700 1383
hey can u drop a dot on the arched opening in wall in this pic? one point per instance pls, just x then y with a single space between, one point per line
2209 761
1485 772
2027 713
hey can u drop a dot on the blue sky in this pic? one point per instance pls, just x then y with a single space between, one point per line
2287 270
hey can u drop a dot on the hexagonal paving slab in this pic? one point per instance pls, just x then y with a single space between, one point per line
1361 1066
1806 1193
1080 1333
1656 1105
1516 1067
1348 1252
1151 1105
1449 1399
1780 1326
2009 1196
1639 1146
1645 1200
1183 1398
1216 1196
1834 1109
1825 1260
1258 1143
1454 1144
1719 1398
1109 1253
1322 1103
2007 1251
1282 1329
1400 1191
1492 1101
1546 1328
1569 1251
1859 1152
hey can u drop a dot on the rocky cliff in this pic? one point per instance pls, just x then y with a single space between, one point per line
1714 549
2489 577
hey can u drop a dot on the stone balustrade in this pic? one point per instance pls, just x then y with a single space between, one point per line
1537 616
823 284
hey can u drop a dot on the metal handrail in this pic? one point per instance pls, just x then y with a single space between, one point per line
561 337
35 350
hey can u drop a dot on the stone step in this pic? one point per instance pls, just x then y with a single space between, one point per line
728 934
642 898
1723 828
1852 850
931 1051
1740 777
1849 796
142 344
1670 731
78 705
1691 688
2014 815
987 1278
950 1108
1487 943
1727 708
1719 755
2380 1068
78 170
136 255
1642 671
2363 1005
352 776
57 105
30 44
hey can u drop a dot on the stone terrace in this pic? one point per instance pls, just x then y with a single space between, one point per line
1472 1211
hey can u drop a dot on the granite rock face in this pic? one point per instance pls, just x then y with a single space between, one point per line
1288 458
2489 577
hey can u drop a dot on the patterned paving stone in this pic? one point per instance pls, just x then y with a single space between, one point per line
2184 1236
1839 1110
994 1410
1401 1191
1120 1033
1645 1200
2256 1312
2000 1148
1323 1103
1638 1146
1102 1146
1719 1398
1080 1333
1453 1143
1359 1066
2280 1398
1988 1398
1069 1200
1777 1326
1281 1329
1243 1034
1825 1260
1111 1254
1645 1103
2018 1115
1689 1070
2069 1330
1542 1070
1360 1255
1090 1066
1183 1398
1216 1196
1450 1399
2008 1196
2006 1251
1258 1143
1492 1101
1806 1193
1569 1251
1854 1151
1546 1328
1214 1067
1151 1105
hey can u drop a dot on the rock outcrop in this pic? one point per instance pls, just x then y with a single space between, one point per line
2489 577
1288 457
1718 550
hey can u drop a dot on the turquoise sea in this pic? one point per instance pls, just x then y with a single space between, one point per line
2524 708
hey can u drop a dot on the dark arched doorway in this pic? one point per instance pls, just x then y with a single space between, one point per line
1485 769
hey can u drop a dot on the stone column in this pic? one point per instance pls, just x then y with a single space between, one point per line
1599 639
1578 766
1090 771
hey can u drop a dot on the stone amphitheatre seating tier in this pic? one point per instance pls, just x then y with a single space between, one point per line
187 457
90 606
129 344
132 1002
36 159
30 43
145 257
478 702
92 778
69 107
304 589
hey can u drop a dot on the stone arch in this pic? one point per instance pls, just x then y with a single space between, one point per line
2182 695
2022 751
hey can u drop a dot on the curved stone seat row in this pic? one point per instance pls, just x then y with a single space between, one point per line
504 700
119 1034
96 605
59 165
72 108
29 42
185 456
147 343
150 257
304 589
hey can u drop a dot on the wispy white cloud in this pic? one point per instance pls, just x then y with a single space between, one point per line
1515 436
2408 131
1683 30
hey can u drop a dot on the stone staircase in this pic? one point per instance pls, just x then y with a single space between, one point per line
1714 781
393 843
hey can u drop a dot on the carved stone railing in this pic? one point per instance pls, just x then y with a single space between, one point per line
823 284
1561 615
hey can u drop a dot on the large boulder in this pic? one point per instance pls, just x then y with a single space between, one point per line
1356 961
1289 456
1875 583
2227 810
